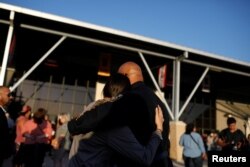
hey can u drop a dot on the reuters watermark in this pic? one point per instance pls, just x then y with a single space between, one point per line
228 159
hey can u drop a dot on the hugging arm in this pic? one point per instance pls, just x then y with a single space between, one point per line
89 120
123 141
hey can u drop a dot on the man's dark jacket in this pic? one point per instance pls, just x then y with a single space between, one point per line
152 100
5 144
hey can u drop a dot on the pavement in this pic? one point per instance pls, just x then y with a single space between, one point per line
48 162
180 164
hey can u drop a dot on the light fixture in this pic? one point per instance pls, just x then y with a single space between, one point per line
104 65
206 84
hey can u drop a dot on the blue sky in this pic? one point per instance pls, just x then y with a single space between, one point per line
221 27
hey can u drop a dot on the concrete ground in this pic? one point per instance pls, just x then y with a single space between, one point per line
179 164
49 163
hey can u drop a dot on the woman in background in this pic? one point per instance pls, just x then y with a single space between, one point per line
193 147
61 154
37 133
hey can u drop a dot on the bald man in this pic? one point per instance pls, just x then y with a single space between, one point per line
134 73
5 145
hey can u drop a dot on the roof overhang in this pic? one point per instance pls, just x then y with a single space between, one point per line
73 48
61 26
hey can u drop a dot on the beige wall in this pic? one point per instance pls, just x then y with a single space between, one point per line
177 128
98 93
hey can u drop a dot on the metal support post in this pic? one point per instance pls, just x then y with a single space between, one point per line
37 63
176 88
7 48
156 85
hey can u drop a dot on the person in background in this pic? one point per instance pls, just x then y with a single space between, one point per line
193 147
212 141
5 139
61 154
37 133
12 131
232 138
23 117
10 121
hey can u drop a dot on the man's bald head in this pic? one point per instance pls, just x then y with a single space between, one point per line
5 96
132 71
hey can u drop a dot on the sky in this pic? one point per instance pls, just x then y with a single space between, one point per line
220 27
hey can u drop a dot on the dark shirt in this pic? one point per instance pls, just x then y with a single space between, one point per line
127 110
232 139
152 100
90 120
104 146
5 144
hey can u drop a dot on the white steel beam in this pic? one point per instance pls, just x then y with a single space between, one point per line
217 68
156 85
37 63
7 48
131 49
176 88
96 41
193 91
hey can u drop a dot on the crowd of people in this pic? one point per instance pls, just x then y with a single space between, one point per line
128 127
196 146
33 137
129 118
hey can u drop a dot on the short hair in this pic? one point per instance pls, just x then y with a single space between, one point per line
189 128
39 115
116 85
231 120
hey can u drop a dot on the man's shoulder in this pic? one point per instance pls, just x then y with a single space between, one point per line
145 92
131 96
141 87
238 131
224 130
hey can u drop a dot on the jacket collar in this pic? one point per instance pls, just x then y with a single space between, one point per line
137 84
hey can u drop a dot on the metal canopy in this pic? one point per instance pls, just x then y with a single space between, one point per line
46 44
